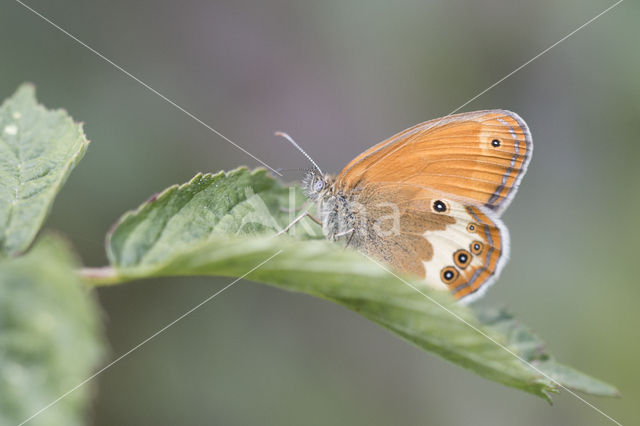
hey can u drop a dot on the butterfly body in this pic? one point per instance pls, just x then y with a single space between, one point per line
428 200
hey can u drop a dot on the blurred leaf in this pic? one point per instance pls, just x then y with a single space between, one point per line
38 149
49 337
532 349
212 226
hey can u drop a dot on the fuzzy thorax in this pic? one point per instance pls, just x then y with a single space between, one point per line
336 211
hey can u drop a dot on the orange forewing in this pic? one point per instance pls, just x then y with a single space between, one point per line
454 155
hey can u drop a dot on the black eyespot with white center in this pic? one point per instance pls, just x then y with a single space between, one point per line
476 247
471 227
462 258
449 274
439 206
495 143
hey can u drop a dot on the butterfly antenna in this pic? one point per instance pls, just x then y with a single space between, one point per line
290 139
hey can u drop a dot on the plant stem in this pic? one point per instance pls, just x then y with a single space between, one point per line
104 275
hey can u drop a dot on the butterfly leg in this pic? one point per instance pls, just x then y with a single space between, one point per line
350 238
315 219
298 219
351 233
342 234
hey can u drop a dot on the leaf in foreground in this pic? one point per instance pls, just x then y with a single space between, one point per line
237 203
38 149
49 337
210 226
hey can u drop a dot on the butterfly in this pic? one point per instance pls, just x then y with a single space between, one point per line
428 200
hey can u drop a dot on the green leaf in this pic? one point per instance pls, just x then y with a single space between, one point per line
225 224
38 149
240 202
325 270
49 337
532 348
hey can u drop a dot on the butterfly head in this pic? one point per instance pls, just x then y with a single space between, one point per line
315 184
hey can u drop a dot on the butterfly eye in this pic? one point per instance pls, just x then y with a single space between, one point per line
495 143
476 247
318 186
449 274
439 206
462 258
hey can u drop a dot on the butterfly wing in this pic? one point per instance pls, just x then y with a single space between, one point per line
461 248
471 255
477 157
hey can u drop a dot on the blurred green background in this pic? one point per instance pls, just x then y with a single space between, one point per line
341 75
